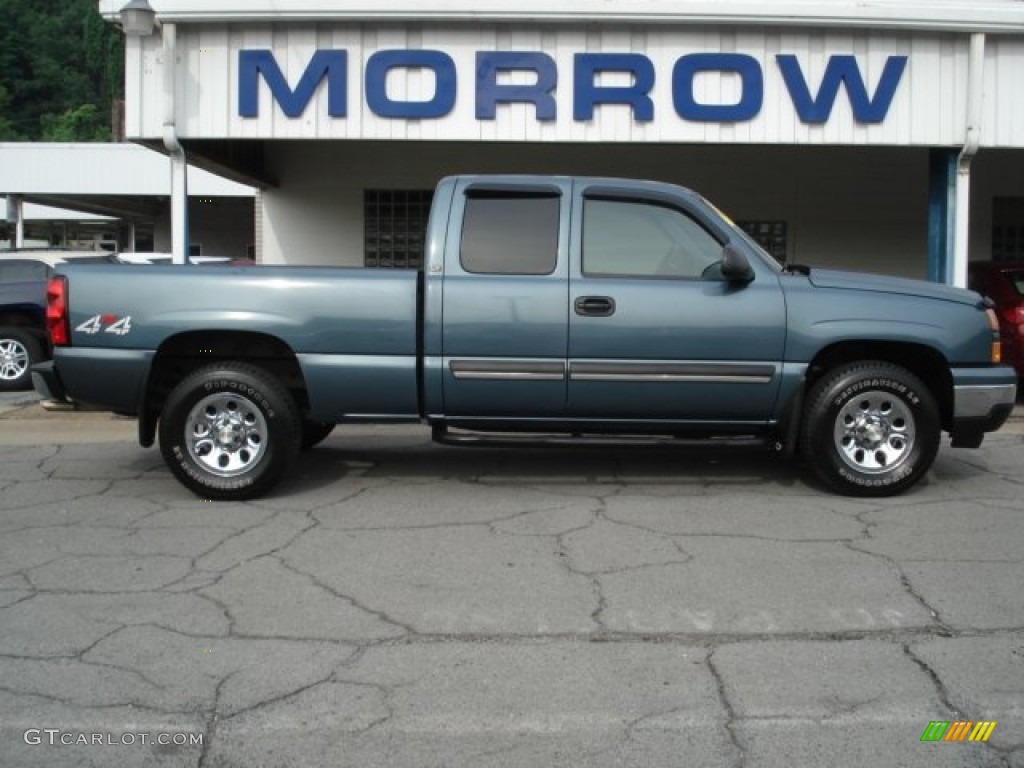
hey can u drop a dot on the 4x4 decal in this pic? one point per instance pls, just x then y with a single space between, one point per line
120 326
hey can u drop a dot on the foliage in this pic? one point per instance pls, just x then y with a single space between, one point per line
61 67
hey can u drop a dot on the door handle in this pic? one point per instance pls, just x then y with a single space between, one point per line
595 306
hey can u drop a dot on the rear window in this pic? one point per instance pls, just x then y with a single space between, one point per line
510 233
23 271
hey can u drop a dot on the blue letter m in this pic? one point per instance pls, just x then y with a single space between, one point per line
841 70
330 64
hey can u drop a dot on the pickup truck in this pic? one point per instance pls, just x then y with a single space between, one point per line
547 308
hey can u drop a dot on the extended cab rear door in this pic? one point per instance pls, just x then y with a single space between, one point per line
505 297
654 331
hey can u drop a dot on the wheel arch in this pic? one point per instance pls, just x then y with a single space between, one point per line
927 363
181 354
24 319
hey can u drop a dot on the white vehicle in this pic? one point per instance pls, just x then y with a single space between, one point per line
166 258
51 257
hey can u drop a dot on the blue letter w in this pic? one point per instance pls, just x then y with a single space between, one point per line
330 64
841 70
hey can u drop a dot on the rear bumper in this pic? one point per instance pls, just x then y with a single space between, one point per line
47 383
983 399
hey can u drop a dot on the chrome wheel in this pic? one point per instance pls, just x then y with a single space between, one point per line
226 434
874 432
13 359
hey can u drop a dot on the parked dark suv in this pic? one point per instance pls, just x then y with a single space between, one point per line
23 277
1003 282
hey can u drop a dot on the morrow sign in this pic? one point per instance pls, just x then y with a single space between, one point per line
812 102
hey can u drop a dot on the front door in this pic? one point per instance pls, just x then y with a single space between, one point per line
655 332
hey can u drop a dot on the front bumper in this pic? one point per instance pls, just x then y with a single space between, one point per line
983 400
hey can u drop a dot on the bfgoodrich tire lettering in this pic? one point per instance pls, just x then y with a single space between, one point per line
229 431
871 429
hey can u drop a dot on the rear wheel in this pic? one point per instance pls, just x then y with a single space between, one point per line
871 429
229 431
20 349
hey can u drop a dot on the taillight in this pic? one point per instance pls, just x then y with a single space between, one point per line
997 347
1014 315
57 311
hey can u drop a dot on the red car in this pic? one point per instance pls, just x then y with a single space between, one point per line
1003 282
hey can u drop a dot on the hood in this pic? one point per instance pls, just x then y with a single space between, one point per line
863 281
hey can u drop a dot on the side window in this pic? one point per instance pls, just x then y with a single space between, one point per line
635 238
509 233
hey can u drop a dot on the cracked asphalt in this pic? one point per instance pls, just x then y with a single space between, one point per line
396 603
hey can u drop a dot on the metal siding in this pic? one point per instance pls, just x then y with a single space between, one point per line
958 15
1003 121
927 109
99 169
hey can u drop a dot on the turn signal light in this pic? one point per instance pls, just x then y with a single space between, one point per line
57 324
997 345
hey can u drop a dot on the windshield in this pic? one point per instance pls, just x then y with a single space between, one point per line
768 258
756 246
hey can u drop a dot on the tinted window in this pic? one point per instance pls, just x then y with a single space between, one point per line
643 239
510 234
395 227
23 271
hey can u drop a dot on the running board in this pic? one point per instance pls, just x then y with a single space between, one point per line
444 436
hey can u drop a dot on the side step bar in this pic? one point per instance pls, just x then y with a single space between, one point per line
442 434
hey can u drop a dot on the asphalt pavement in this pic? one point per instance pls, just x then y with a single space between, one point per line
397 603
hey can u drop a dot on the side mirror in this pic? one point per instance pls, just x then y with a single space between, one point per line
735 265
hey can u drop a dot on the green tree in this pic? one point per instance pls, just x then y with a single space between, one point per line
61 67
81 124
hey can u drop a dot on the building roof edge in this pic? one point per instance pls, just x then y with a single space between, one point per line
996 16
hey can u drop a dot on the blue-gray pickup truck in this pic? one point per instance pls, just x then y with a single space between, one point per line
547 308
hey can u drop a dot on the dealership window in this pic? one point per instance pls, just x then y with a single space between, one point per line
395 226
642 239
770 235
1008 229
510 233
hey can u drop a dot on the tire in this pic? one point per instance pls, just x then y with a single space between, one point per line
314 433
871 429
20 349
258 438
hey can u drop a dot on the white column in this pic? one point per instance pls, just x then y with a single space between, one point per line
962 215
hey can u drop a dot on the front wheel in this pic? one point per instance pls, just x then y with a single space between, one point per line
229 431
871 429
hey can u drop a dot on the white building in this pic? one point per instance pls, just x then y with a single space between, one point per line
868 134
